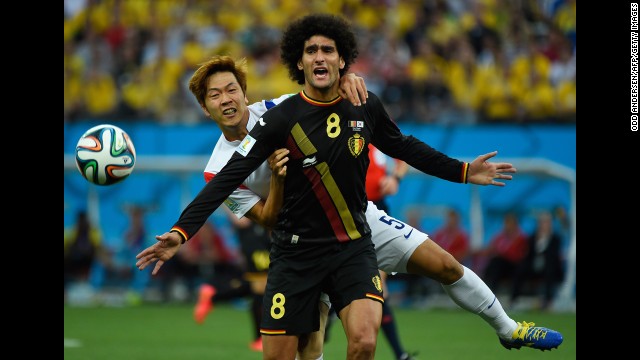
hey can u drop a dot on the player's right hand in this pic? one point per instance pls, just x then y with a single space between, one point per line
167 246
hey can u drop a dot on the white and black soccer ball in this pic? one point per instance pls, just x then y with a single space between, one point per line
105 155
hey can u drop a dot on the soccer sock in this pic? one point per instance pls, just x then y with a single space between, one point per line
256 314
472 294
390 330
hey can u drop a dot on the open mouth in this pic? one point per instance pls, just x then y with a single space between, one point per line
229 111
320 72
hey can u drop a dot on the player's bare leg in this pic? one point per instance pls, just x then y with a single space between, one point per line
278 347
361 322
467 290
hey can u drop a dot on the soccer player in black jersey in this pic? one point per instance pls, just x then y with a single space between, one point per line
321 241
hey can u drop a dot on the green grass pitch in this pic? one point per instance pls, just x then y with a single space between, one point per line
158 332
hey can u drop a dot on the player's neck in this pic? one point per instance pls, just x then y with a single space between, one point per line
236 132
324 95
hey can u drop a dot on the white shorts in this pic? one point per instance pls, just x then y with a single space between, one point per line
395 241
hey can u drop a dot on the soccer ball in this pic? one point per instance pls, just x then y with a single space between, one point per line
105 155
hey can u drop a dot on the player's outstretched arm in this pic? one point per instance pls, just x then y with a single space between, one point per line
483 172
167 246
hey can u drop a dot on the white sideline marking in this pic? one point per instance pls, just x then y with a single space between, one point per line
71 343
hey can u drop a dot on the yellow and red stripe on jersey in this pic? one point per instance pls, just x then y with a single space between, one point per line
326 189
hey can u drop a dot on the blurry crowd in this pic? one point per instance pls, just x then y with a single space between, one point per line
514 262
431 61
98 267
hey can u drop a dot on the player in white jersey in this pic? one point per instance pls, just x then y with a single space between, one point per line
220 86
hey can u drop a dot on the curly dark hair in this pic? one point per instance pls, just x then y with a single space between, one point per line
330 26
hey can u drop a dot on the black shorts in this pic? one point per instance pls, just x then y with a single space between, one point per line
346 271
255 245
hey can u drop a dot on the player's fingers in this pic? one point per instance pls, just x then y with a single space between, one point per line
157 267
361 88
278 155
488 156
144 253
282 153
348 94
141 264
352 92
352 88
506 167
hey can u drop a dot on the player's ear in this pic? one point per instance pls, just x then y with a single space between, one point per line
341 63
246 101
206 112
300 65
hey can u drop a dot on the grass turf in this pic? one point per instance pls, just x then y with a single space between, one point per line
158 332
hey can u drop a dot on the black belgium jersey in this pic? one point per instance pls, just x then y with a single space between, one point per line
324 194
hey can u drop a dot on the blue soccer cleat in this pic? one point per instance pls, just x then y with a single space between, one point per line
529 335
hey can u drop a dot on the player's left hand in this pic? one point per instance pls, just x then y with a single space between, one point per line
353 88
483 172
277 161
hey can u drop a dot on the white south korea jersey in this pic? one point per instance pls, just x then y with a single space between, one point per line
254 187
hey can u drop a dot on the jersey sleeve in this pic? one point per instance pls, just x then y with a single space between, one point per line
241 201
244 161
390 140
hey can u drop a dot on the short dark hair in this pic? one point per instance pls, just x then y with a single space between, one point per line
333 27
